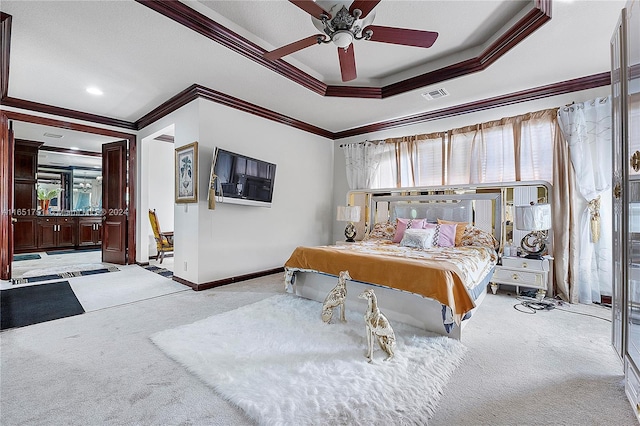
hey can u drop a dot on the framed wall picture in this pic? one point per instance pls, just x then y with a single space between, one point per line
186 173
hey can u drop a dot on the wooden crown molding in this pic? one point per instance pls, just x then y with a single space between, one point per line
568 86
177 11
184 15
27 118
68 113
5 50
196 91
539 14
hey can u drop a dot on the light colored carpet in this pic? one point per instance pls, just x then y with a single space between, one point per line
101 368
282 365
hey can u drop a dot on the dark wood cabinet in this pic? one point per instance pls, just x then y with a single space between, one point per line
89 231
25 176
24 234
56 232
44 233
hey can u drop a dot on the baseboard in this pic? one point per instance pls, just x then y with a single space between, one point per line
226 281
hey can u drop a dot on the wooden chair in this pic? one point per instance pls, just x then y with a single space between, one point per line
164 240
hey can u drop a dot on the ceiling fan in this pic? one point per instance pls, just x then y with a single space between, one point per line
341 26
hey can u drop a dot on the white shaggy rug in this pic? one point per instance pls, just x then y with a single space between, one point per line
282 365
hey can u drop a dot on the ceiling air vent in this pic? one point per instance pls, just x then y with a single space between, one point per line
435 94
52 135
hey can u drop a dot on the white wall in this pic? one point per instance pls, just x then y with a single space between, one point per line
234 240
185 122
237 239
340 178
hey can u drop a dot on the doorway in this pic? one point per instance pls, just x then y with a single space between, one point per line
6 184
156 192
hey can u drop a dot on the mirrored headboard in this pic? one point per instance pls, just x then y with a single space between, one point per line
489 207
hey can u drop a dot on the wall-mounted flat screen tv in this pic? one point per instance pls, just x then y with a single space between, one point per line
243 180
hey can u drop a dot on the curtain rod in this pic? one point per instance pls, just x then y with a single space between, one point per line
360 143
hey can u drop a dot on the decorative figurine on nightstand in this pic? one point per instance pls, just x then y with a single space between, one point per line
377 326
336 298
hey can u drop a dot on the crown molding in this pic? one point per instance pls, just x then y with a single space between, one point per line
56 122
68 113
560 88
200 92
539 14
5 50
195 21
196 91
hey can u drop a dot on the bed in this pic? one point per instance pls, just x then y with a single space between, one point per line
434 282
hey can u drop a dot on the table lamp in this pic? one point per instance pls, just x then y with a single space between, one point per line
535 218
349 214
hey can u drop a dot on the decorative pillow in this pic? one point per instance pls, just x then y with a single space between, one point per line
444 235
382 231
461 226
477 237
418 238
404 224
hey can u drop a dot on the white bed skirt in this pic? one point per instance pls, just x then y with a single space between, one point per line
401 306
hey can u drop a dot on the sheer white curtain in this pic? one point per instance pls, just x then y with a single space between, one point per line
429 159
586 126
511 149
362 160
537 132
493 153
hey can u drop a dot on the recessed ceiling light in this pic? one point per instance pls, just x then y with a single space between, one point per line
94 91
52 135
75 148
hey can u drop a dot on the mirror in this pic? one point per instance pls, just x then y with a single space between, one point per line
71 190
86 191
484 212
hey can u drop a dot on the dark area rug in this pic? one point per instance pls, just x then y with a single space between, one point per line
161 271
38 303
19 257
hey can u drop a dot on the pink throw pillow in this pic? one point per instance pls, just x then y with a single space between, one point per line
445 234
404 224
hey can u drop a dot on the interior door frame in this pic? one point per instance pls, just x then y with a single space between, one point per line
6 179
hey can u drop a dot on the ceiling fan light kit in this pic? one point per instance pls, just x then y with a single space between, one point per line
346 26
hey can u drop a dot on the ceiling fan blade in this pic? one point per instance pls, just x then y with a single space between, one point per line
402 36
347 63
311 8
365 6
292 47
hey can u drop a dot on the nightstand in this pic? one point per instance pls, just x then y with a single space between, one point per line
343 243
523 272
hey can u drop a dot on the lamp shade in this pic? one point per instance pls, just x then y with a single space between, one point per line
535 217
349 213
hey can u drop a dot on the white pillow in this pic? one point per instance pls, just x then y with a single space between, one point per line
418 238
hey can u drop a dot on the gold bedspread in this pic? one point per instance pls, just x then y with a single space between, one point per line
438 273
